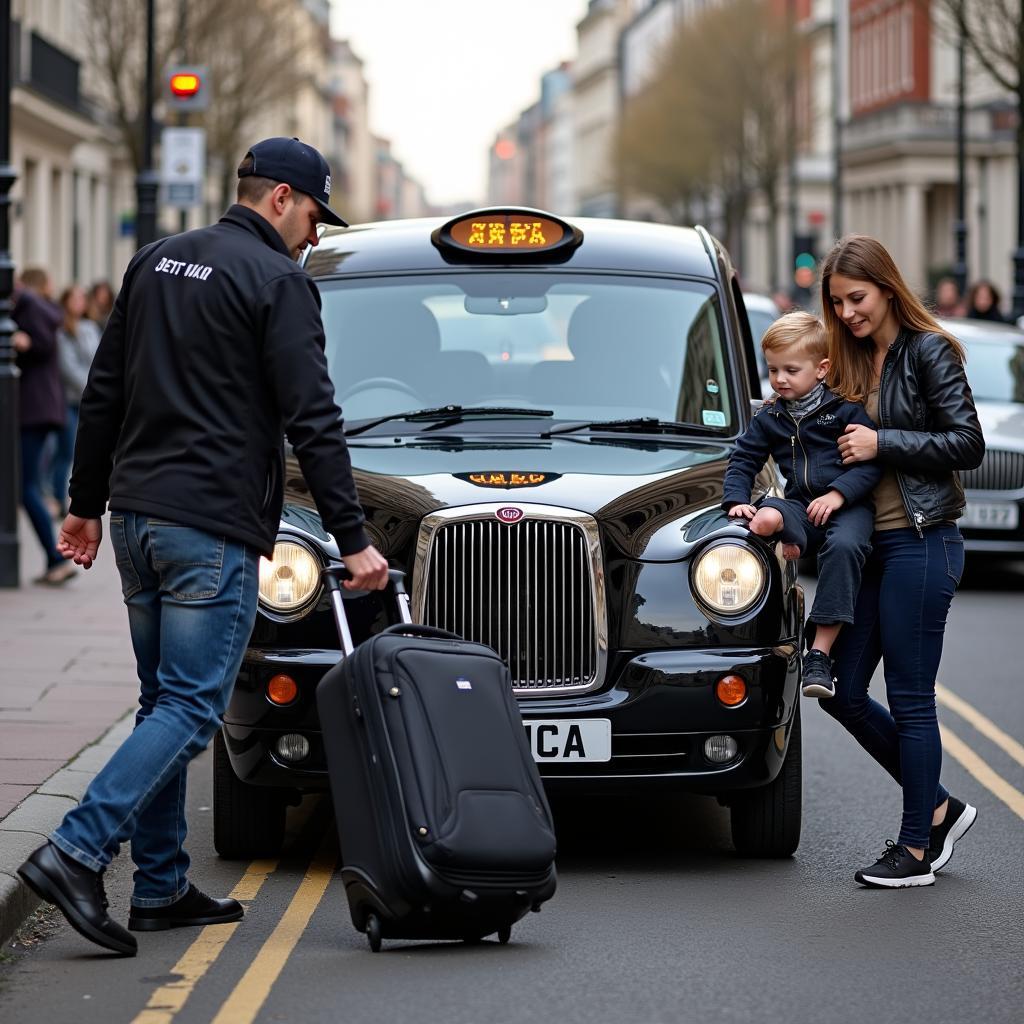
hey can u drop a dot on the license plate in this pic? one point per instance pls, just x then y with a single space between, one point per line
991 515
556 739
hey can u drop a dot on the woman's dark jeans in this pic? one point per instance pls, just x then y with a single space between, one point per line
906 589
63 457
33 443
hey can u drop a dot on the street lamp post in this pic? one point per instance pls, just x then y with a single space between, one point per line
147 180
791 140
838 99
960 225
10 470
1018 255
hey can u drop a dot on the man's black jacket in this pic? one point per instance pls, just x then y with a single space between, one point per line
214 349
807 453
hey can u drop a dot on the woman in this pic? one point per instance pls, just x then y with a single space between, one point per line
77 340
888 352
983 302
41 405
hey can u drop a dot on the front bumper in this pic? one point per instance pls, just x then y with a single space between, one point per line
661 705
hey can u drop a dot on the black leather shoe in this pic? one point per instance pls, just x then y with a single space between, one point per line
78 893
194 908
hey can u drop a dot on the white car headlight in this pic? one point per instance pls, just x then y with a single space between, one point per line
728 578
290 579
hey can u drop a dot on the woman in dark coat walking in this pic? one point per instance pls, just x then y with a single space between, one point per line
42 406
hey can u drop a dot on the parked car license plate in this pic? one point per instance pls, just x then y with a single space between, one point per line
557 739
991 515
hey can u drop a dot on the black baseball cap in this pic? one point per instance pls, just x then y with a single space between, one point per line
298 165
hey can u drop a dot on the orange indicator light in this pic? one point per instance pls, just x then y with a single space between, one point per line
282 690
731 690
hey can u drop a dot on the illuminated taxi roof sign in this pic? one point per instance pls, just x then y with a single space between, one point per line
506 235
507 478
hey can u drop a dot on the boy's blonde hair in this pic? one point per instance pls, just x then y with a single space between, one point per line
803 332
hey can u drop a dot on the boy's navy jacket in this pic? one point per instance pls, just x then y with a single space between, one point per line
806 452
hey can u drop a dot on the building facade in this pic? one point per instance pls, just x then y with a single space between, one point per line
74 189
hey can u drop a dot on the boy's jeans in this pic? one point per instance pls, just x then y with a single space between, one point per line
191 600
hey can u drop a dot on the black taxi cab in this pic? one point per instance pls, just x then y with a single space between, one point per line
539 415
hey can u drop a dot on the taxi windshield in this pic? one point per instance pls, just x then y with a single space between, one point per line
586 347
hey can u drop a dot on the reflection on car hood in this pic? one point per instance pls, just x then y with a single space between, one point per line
634 487
1002 424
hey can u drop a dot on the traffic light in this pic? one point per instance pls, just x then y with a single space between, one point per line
188 87
803 272
805 263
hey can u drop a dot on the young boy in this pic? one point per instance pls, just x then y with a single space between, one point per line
827 508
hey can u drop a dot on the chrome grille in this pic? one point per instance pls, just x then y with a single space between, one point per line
528 590
999 471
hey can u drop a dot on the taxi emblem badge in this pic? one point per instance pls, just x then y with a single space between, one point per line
509 514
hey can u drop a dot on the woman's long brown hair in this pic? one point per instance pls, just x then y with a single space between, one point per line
863 258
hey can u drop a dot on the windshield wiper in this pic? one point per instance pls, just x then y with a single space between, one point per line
448 414
638 424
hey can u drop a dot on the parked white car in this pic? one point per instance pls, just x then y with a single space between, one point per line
994 518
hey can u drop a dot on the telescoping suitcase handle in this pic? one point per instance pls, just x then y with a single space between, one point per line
334 575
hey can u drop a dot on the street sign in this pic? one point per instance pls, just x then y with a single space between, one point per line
183 152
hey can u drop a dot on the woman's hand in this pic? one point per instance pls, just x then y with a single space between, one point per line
858 444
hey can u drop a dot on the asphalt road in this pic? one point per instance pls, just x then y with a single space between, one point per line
655 920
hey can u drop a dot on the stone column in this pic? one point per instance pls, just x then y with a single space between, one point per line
915 263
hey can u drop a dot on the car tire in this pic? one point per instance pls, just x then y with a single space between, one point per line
248 821
766 821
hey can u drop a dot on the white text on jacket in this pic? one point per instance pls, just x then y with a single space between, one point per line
197 270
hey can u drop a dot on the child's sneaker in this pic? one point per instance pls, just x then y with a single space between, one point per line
817 675
897 868
959 818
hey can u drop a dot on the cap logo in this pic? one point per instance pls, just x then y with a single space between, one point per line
509 514
327 185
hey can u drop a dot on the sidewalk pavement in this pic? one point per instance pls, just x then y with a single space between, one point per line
66 693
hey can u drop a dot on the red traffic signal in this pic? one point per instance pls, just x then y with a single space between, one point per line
188 88
185 84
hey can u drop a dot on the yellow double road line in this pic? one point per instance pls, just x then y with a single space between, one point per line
970 761
167 1000
251 992
249 995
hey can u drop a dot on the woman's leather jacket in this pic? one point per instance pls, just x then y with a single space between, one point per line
927 426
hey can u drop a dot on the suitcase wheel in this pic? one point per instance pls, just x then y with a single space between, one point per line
504 934
373 934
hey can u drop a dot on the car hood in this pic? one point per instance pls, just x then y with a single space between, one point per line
633 486
1002 424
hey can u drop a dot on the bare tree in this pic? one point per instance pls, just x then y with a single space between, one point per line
993 31
712 119
258 64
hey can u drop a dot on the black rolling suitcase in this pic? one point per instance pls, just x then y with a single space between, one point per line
444 827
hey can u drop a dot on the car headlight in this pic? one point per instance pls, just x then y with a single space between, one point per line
289 580
728 578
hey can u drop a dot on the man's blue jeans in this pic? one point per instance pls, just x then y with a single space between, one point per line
191 600
900 619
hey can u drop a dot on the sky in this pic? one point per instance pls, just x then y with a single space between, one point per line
446 75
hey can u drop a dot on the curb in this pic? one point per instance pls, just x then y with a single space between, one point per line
32 821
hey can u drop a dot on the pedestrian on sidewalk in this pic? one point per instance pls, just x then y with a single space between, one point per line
983 302
42 409
78 338
100 303
890 353
214 350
